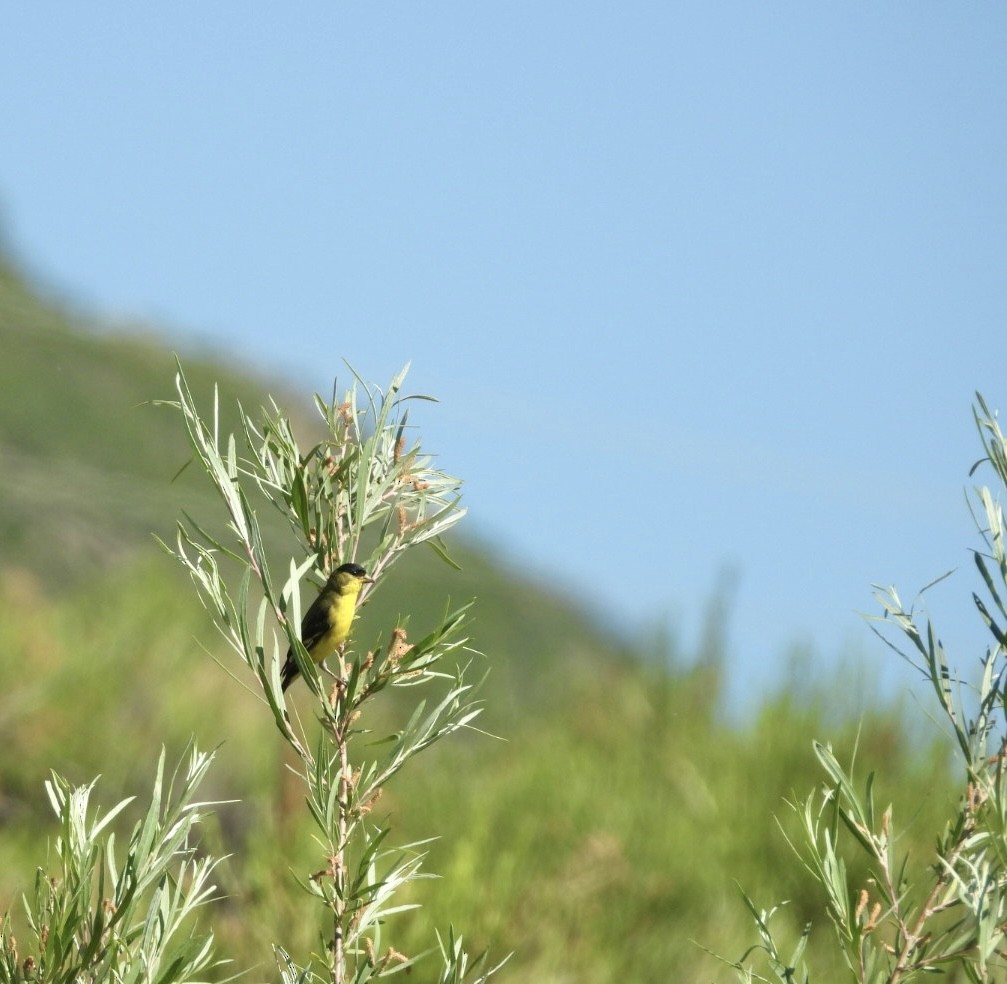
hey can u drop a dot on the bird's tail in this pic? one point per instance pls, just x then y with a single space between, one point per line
290 671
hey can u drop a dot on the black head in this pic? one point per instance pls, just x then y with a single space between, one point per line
354 570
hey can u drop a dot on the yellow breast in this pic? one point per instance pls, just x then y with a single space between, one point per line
341 612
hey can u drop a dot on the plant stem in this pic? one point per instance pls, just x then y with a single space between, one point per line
341 736
906 962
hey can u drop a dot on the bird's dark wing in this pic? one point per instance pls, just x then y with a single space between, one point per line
314 625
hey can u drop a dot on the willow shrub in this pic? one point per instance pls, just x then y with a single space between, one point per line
917 915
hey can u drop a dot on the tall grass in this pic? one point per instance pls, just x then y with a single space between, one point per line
597 842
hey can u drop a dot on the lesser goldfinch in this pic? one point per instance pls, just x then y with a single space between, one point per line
326 624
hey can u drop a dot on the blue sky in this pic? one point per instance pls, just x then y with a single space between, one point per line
701 286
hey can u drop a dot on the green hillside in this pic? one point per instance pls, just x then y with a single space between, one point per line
597 837
86 465
89 467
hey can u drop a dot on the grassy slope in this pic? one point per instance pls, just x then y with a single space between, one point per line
87 469
601 837
86 465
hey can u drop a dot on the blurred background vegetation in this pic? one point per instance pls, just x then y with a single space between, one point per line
600 836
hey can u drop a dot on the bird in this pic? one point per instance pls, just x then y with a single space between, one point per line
326 624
